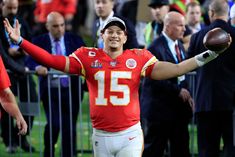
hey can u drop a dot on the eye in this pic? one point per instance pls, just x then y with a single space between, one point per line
109 32
119 32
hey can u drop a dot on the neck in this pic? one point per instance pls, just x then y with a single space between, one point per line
104 18
224 18
194 24
113 52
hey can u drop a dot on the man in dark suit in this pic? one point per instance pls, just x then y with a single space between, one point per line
68 43
215 89
193 16
104 10
165 105
14 60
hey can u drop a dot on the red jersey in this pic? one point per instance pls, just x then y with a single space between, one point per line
113 85
4 82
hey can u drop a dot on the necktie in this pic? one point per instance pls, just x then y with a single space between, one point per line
177 50
63 80
155 31
100 43
58 47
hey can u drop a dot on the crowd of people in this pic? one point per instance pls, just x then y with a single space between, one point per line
138 73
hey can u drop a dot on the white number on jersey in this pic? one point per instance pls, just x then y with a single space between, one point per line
114 87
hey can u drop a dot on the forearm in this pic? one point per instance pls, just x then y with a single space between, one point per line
8 102
43 57
166 70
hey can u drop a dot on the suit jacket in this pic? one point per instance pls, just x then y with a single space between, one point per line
72 42
131 34
160 99
10 62
202 26
215 80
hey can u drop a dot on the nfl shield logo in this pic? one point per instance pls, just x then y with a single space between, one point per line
113 63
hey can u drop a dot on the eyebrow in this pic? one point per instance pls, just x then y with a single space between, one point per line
119 29
58 24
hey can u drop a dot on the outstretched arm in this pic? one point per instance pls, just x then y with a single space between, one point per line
58 62
165 70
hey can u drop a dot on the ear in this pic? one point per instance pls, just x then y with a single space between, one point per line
47 26
125 39
212 13
102 35
113 3
168 8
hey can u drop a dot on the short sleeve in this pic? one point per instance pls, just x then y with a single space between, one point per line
149 60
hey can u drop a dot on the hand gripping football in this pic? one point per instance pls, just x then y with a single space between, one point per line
217 40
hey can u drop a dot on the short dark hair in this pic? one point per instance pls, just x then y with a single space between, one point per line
192 4
220 7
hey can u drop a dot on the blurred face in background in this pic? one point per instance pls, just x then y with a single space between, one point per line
176 27
10 8
159 12
193 15
56 25
103 8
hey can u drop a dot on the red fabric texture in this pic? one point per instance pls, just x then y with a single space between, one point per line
4 78
43 57
44 7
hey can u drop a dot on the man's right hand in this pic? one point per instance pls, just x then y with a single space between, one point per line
14 52
22 125
13 32
41 70
184 94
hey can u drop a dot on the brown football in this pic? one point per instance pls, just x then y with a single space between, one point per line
216 39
